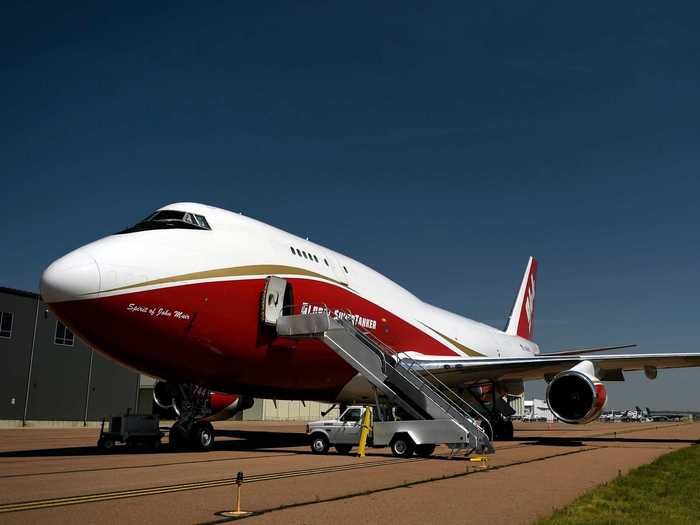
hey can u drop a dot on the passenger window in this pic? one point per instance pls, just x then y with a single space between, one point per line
315 258
292 250
346 270
305 256
326 261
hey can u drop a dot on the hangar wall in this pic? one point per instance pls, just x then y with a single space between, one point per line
47 374
282 410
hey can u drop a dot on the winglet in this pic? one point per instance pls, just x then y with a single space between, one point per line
522 318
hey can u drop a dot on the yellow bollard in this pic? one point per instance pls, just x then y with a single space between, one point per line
364 433
482 460
238 513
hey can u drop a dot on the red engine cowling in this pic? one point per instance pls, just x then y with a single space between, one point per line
216 407
577 396
225 406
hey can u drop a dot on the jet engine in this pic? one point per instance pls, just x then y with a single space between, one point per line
164 395
202 403
577 396
225 406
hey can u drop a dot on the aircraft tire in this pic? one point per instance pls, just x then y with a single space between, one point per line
503 429
177 438
202 436
105 443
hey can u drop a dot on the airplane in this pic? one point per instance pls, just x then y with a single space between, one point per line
181 296
668 415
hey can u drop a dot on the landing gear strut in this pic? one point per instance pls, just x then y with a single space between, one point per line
494 408
502 428
188 431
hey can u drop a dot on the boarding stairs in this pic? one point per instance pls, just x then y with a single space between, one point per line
403 381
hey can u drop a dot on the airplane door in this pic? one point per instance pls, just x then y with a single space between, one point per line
273 299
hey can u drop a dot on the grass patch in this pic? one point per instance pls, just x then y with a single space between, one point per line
666 491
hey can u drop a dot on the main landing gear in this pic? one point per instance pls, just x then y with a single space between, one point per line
197 435
502 427
493 406
191 404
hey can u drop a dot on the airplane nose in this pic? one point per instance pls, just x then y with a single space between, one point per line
70 277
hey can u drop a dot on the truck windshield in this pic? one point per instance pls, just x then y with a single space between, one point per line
352 414
169 219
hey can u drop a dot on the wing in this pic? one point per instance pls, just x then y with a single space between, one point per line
580 351
454 372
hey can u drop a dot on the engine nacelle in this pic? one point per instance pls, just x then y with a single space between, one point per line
577 396
209 405
225 406
164 395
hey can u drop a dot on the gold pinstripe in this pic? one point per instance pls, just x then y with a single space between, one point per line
459 345
235 271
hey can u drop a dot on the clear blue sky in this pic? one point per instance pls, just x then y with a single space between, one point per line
441 144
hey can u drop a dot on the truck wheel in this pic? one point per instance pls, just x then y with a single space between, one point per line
343 449
202 436
425 451
402 446
105 443
319 444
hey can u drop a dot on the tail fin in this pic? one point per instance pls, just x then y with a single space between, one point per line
522 318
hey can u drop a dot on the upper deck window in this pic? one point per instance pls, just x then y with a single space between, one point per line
168 219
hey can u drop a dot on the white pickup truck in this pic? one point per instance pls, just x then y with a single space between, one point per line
403 436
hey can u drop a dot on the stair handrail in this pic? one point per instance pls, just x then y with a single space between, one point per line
345 323
451 403
451 392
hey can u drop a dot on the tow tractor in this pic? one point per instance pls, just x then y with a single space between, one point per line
134 430
404 437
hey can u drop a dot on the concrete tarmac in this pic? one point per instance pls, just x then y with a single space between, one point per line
58 476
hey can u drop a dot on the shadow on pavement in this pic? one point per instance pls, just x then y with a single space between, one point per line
233 440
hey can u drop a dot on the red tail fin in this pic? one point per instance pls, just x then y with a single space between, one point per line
522 318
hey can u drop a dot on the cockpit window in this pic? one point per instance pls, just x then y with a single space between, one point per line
169 219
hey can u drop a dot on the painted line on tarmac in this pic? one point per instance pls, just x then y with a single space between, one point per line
152 465
407 484
613 434
196 485
93 498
